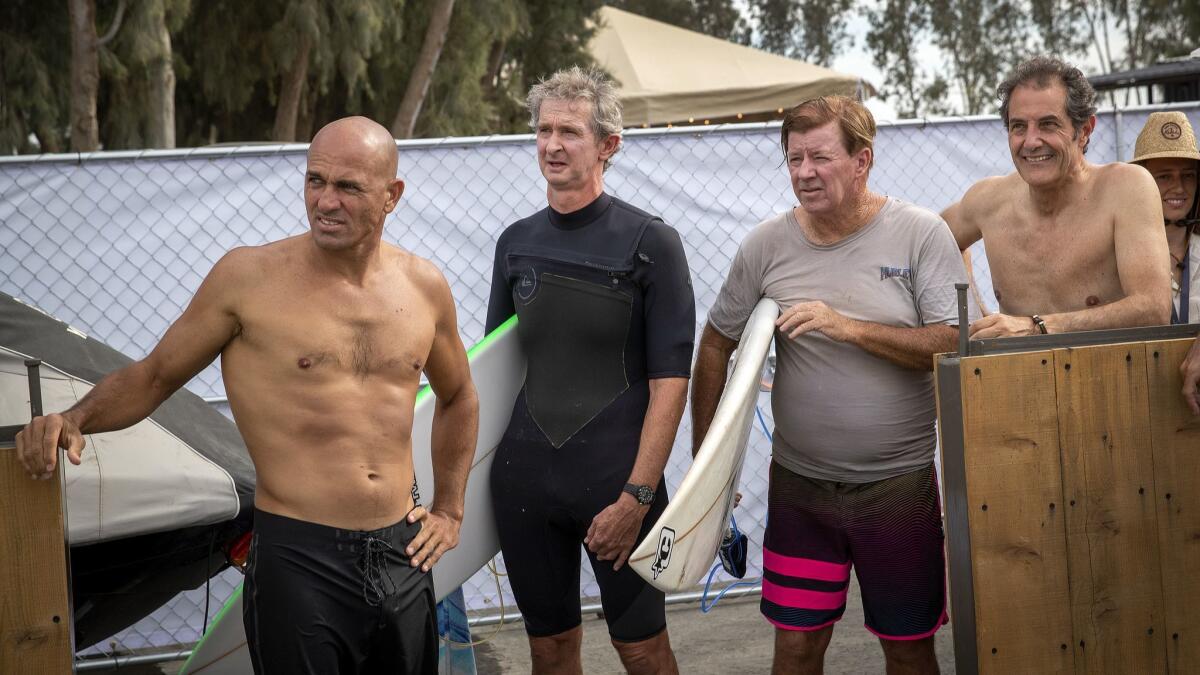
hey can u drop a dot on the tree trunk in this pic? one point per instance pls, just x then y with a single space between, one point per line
85 76
305 114
160 131
291 93
48 137
422 72
495 61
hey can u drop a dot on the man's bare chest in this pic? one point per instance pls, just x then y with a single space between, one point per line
388 338
1070 262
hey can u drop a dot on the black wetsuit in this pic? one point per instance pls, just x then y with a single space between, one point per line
604 304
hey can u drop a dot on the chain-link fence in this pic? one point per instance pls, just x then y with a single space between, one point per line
116 243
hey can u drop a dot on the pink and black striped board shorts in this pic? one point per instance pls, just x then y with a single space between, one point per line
889 531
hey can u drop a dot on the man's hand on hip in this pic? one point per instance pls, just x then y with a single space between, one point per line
1003 325
614 530
1190 368
805 317
39 441
439 533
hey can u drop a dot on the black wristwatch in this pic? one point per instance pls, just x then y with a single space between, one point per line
644 494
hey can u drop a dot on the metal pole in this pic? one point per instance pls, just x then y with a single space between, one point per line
963 318
117 662
35 387
1117 136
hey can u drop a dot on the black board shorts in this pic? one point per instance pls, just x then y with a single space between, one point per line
319 599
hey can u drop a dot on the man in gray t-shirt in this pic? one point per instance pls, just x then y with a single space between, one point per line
866 287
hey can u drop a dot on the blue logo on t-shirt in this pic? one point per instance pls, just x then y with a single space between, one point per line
890 272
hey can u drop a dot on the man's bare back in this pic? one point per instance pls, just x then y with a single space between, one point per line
1071 245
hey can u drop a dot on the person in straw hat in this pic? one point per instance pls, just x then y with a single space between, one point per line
1166 147
1072 245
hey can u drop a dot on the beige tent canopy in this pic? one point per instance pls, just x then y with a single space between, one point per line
672 75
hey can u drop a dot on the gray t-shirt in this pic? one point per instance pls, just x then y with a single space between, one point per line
842 414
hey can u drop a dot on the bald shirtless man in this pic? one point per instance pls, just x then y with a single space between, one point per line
323 338
1071 245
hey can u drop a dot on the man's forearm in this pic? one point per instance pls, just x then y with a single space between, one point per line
123 398
454 436
906 347
668 395
708 381
1128 312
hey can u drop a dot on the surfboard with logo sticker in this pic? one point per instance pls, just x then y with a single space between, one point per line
681 546
498 371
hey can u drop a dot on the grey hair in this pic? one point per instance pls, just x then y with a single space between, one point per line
577 84
1039 71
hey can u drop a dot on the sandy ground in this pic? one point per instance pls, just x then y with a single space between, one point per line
732 638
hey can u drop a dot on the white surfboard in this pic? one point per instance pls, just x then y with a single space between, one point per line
681 546
498 370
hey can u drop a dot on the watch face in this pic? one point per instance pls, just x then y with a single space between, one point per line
644 494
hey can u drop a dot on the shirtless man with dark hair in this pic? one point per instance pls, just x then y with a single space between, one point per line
323 338
1071 245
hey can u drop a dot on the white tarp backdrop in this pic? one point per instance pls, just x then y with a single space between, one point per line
116 243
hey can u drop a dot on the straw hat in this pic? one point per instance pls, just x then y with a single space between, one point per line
1166 134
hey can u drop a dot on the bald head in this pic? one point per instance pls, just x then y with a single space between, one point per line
364 139
350 184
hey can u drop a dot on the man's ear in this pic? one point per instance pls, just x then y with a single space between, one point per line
1085 131
862 161
609 146
394 190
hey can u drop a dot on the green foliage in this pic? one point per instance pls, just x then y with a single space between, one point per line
809 30
979 41
547 35
127 70
899 27
34 100
983 39
230 57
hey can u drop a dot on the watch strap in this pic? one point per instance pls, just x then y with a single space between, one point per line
639 492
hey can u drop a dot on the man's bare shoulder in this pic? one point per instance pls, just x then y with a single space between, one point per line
421 272
986 195
1119 179
245 263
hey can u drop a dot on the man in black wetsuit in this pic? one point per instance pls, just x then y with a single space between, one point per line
607 320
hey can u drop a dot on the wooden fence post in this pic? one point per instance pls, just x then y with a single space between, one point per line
1071 473
36 633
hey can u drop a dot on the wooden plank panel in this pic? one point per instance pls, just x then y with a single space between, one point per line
1176 439
35 633
1112 529
1018 533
